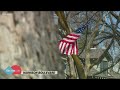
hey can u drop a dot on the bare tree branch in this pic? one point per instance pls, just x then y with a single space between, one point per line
116 16
107 68
103 55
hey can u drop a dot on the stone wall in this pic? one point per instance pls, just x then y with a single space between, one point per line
28 39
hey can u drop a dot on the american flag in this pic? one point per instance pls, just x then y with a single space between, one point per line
68 45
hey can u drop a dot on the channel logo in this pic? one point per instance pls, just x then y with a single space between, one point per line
15 69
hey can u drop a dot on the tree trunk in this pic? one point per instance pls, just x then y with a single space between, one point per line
28 39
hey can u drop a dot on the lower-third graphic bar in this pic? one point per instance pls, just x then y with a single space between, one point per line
40 72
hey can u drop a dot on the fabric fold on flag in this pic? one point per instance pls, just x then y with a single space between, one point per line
68 45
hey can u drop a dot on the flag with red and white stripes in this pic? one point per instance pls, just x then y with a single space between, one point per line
68 45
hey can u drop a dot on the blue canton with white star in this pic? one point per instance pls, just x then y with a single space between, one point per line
82 28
